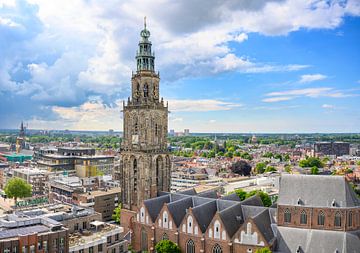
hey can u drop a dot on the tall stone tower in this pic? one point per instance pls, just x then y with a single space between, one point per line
145 162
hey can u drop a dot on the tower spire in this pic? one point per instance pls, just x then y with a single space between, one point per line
145 22
145 58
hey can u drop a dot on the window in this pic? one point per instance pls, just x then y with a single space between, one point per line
189 224
190 246
24 249
321 218
146 90
91 250
62 242
350 219
32 249
303 217
109 239
100 247
45 246
165 220
165 236
116 237
337 221
76 227
287 216
217 249
16 251
55 243
217 229
144 240
7 250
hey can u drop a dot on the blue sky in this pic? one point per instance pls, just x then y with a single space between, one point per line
234 66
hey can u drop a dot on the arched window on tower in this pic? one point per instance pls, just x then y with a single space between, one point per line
287 216
190 246
217 249
321 218
146 90
135 174
337 220
303 217
137 92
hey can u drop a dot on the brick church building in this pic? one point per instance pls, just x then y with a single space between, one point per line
314 214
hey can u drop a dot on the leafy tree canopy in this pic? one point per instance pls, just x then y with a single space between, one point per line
117 214
241 167
167 246
265 198
263 250
17 188
260 167
311 162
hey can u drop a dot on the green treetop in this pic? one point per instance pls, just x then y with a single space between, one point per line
167 246
263 250
17 188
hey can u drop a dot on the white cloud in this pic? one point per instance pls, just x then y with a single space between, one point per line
212 121
327 106
312 78
201 105
308 92
276 99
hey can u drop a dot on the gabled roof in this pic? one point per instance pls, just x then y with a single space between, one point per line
223 204
204 214
208 194
315 241
154 205
178 209
233 197
188 192
253 201
316 191
197 201
251 211
263 223
232 218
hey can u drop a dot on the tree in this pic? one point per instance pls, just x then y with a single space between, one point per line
265 198
288 168
241 193
246 156
270 169
311 162
167 246
314 170
241 167
17 188
263 250
117 214
260 168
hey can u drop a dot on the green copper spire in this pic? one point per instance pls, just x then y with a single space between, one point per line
145 59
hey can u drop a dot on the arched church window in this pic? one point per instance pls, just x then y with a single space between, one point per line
190 246
337 221
217 249
350 219
135 174
287 216
321 218
303 217
144 240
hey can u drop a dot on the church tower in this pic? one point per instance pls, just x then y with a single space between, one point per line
145 162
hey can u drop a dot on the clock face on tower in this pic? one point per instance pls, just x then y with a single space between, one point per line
135 139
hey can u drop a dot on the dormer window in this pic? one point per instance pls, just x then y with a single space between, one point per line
299 202
333 203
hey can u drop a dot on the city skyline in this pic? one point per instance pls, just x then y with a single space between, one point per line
286 66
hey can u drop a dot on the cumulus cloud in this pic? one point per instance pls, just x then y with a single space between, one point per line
327 106
312 78
59 53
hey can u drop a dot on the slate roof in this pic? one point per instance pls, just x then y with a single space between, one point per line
316 241
208 194
232 218
178 209
263 223
253 201
204 214
154 205
316 191
233 197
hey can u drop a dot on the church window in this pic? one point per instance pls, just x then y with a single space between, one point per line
287 216
165 220
165 236
321 218
350 219
190 246
146 90
337 221
217 249
142 214
189 225
303 217
217 229
144 240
